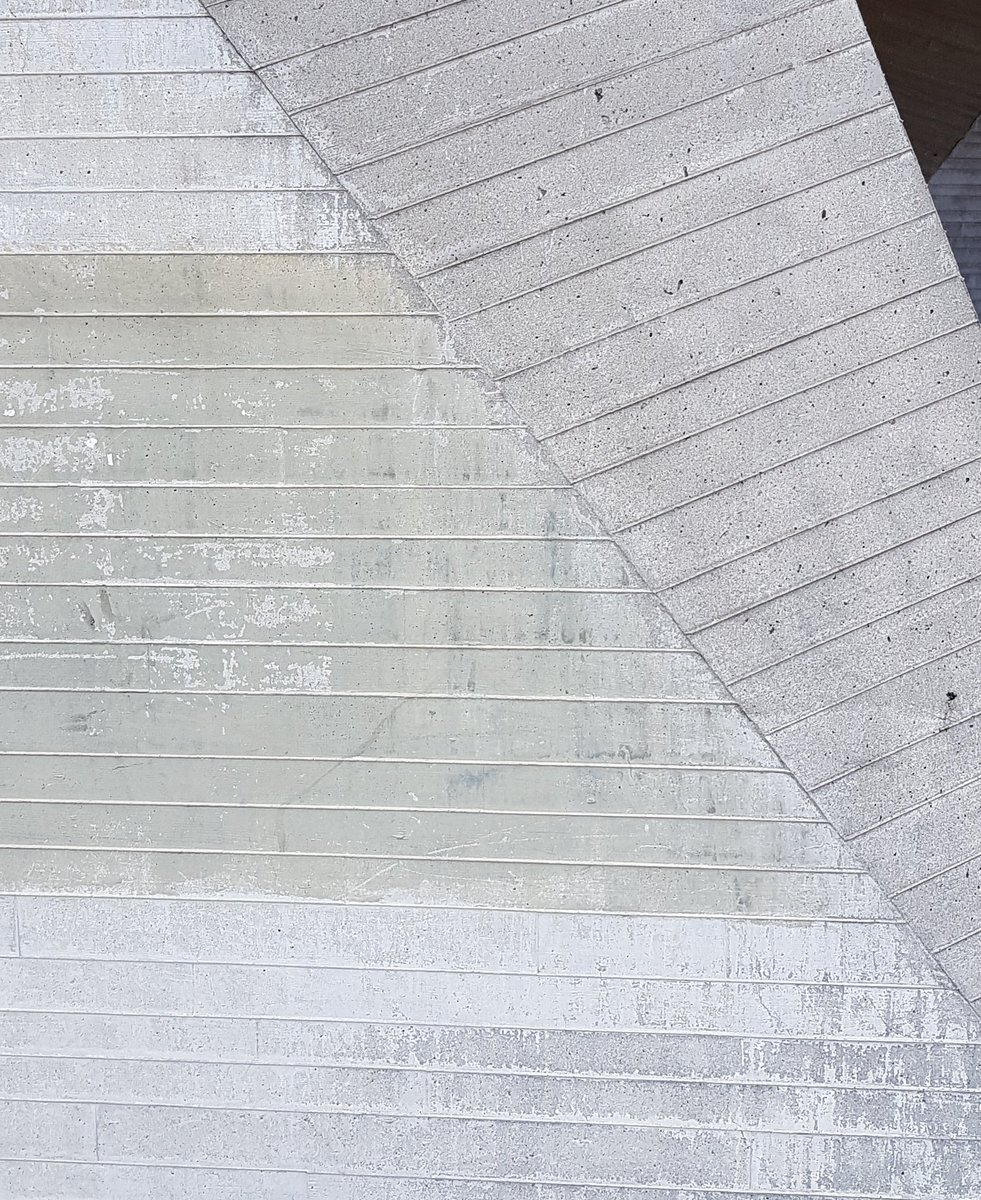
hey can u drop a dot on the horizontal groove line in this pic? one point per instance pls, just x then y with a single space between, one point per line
537 1181
286 189
242 70
872 762
500 1118
543 98
324 588
647 192
195 485
439 62
912 808
248 429
543 288
897 298
971 516
123 16
848 512
735 418
513 813
350 694
382 214
602 976
543 539
490 1072
45 318
842 700
645 1031
611 334
169 368
149 137
560 764
895 419
428 646
433 858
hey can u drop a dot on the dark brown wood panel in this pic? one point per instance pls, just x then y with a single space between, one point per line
931 53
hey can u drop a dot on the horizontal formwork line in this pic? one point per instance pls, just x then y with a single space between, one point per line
497 1117
563 764
123 136
606 1186
603 976
838 570
827 520
195 485
350 252
615 410
736 417
645 1031
350 694
880 758
432 810
444 857
236 643
285 190
793 265
44 317
98 427
823 448
887 679
605 77
543 288
595 1077
544 540
611 133
242 70
261 66
105 16
633 197
171 368
265 585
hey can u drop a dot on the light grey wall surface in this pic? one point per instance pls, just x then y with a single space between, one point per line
367 828
692 244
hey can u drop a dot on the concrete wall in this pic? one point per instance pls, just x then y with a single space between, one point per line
367 828
693 246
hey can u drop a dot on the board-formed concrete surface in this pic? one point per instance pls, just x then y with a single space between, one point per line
368 830
692 244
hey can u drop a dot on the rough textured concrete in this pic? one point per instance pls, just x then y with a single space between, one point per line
369 829
693 246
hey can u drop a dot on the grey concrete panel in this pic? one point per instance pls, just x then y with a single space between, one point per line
389 670
565 57
271 31
358 67
625 1007
100 1181
44 1131
217 340
335 458
261 396
173 221
826 356
758 795
203 283
547 838
377 938
38 46
204 102
581 180
651 283
348 616
323 562
531 511
216 163
519 136
624 889
8 928
335 727
724 330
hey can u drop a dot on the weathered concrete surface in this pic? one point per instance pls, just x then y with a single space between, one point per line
693 245
367 828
